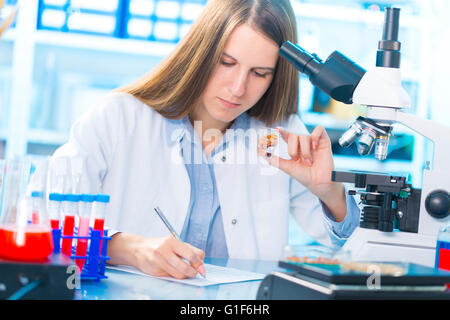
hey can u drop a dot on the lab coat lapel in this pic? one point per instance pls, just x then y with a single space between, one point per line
175 199
233 189
254 200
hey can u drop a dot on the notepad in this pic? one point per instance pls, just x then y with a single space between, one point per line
214 275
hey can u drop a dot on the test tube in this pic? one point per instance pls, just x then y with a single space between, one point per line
77 166
70 208
60 178
36 198
83 227
99 212
54 209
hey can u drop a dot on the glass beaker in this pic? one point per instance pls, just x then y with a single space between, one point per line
25 233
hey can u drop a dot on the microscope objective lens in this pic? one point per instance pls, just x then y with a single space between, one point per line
350 135
381 147
366 141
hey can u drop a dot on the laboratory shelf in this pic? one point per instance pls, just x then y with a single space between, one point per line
101 43
349 14
155 20
47 137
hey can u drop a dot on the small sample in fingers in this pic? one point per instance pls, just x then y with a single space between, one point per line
266 144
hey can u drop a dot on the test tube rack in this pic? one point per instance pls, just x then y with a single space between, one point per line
95 265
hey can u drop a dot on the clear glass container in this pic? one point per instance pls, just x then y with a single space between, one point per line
99 208
70 211
54 209
25 233
84 211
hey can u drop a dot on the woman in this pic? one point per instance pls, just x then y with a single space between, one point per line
174 139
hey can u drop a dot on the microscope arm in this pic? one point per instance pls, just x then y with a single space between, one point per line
438 133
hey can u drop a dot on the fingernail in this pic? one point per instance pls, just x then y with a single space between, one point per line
202 271
309 162
314 145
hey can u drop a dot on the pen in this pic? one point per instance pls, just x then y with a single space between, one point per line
166 222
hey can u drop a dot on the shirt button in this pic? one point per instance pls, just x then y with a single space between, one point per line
224 159
233 222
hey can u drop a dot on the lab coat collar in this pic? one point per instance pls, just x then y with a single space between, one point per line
177 128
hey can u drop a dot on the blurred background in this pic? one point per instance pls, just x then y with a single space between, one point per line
61 57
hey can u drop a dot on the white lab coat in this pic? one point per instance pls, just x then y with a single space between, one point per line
129 157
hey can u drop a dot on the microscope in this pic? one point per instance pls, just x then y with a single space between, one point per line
398 223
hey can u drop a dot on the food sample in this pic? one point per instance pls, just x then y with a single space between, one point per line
318 260
371 267
266 143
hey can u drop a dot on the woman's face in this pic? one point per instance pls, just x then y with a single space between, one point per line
242 76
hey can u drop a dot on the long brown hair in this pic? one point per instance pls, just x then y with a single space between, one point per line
174 86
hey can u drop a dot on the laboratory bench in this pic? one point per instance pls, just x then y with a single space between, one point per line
122 285
127 286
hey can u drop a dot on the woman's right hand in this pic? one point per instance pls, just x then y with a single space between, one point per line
160 257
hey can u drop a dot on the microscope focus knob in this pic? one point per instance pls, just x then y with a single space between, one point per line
437 204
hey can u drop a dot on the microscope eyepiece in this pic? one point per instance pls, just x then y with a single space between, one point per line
338 76
388 54
391 24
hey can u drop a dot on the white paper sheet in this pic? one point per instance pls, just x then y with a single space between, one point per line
214 275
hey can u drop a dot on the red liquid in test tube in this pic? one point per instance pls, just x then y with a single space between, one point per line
54 209
70 212
83 228
83 231
54 224
69 224
99 224
99 213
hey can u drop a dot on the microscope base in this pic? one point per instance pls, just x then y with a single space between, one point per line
397 246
